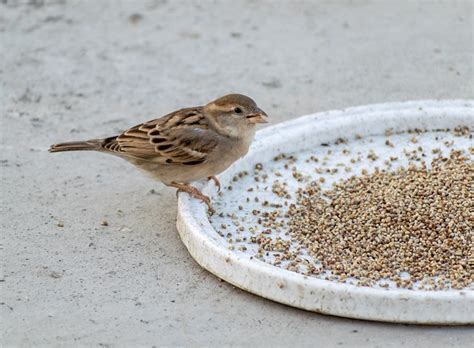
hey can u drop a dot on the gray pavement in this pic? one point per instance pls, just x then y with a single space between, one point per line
81 69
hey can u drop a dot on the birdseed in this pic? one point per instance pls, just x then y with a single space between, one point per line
406 226
399 211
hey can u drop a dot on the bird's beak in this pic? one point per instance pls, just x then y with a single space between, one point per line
258 117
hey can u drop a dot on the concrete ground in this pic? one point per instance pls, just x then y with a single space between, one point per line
81 69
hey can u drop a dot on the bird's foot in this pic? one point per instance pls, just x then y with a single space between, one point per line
218 184
195 193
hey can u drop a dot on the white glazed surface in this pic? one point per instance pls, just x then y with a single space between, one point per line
209 249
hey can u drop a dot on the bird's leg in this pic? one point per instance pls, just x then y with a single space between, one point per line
193 192
218 184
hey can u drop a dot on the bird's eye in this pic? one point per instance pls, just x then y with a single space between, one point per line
238 110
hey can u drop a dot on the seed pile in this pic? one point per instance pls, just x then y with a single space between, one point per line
383 211
410 226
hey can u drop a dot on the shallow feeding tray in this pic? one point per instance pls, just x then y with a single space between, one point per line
223 245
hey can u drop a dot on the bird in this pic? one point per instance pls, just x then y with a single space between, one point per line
186 145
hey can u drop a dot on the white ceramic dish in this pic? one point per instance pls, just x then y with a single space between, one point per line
239 268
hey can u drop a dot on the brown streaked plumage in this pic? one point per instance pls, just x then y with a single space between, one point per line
186 145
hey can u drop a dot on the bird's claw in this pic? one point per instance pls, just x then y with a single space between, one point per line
216 181
195 193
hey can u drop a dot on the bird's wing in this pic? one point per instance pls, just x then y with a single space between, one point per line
182 137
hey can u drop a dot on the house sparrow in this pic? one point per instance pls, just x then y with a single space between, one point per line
186 145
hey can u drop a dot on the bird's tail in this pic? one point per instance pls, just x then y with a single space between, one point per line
89 145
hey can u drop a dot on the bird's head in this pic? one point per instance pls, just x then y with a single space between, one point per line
235 113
